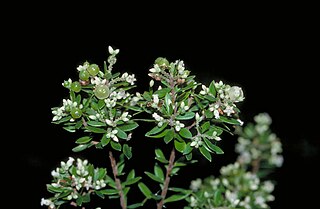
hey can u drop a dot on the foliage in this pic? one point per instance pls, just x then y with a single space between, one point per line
103 107
243 184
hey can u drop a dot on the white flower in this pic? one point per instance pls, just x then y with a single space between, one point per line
47 202
205 90
235 94
197 142
263 118
151 83
155 69
112 51
229 110
214 136
125 117
158 118
155 99
195 184
178 125
112 135
268 186
83 67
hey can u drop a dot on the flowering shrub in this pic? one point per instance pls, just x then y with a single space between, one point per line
243 184
187 115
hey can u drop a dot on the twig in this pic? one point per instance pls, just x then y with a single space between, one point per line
255 165
117 180
167 180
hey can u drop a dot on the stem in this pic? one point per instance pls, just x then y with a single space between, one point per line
255 165
167 180
117 180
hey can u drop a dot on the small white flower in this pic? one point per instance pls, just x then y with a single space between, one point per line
151 83
229 110
197 142
196 184
178 125
214 136
155 99
112 51
205 90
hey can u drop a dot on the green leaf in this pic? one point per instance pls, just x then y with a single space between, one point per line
72 96
175 197
79 201
159 153
53 189
229 120
187 149
180 146
210 98
70 129
158 172
212 130
132 181
95 123
136 205
189 156
62 120
116 145
80 147
101 104
120 168
78 124
121 134
96 130
182 190
212 89
135 108
104 140
83 140
205 153
217 197
145 190
160 135
186 116
99 194
102 173
160 156
198 102
169 136
86 198
131 174
205 126
147 96
156 130
167 102
154 177
127 151
162 92
128 127
208 114
213 147
109 191
184 132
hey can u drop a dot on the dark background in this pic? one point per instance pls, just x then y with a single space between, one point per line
273 60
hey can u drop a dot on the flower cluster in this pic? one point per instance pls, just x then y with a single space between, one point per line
74 182
100 103
235 188
192 118
258 146
243 184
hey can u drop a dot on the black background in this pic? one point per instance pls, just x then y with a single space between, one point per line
271 57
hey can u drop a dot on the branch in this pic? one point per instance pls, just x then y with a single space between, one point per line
167 180
255 165
117 180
